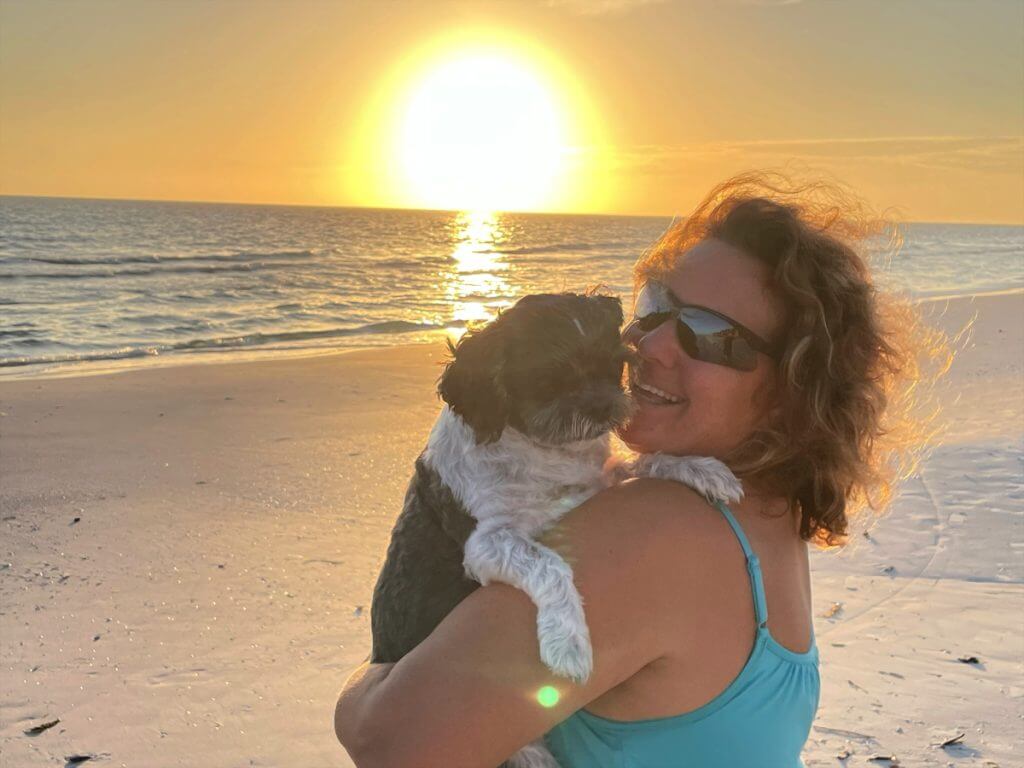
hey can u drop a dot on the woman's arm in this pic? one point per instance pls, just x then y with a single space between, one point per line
475 690
356 702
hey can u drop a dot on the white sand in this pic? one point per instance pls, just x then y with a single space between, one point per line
939 578
208 604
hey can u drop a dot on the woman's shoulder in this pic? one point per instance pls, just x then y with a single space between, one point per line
644 554
645 512
662 533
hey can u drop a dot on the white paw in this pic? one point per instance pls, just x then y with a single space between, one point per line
565 646
709 477
719 483
534 755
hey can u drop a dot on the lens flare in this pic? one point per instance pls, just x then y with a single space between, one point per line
547 696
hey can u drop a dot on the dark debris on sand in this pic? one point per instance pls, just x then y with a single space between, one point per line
35 730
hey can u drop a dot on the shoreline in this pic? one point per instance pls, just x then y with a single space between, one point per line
242 355
103 367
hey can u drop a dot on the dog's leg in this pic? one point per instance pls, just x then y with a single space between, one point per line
535 755
709 477
501 554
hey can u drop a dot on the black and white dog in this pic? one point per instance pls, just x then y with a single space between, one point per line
524 437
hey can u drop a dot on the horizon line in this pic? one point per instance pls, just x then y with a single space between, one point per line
444 210
342 206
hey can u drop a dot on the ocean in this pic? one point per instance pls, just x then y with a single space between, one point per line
90 284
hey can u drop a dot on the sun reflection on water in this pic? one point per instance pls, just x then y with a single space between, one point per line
477 285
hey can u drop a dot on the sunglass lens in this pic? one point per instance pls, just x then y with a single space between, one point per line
712 339
691 344
651 321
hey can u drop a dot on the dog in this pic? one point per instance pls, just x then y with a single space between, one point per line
524 436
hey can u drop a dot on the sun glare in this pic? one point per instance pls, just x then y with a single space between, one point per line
482 131
480 121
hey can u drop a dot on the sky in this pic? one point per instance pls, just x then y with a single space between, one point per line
626 106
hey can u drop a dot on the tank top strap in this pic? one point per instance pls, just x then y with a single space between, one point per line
753 567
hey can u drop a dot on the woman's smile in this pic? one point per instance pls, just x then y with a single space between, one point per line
646 392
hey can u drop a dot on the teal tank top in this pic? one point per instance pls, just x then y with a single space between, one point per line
761 720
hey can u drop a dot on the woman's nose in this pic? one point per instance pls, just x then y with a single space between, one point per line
632 334
657 345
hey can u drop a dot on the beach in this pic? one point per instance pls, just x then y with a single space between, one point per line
188 555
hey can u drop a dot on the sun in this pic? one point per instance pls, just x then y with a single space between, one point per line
482 131
477 120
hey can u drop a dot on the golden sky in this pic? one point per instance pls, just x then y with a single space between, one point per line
626 106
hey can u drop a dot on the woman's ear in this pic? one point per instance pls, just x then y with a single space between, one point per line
470 382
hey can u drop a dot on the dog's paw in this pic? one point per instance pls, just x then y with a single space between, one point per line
717 482
565 646
534 755
709 477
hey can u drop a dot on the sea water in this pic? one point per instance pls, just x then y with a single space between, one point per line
87 282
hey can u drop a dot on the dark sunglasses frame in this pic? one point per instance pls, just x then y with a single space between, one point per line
716 347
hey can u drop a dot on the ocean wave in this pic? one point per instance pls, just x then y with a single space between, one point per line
65 237
616 245
113 261
240 341
416 263
79 357
22 337
258 266
926 253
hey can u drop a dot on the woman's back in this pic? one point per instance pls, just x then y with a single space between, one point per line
751 709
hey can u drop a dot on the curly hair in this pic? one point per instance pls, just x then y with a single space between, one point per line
852 380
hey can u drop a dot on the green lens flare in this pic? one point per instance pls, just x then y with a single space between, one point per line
547 696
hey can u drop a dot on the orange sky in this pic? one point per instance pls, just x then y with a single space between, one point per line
916 105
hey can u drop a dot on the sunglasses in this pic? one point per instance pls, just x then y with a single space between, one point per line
703 333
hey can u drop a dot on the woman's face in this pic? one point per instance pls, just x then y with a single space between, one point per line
720 406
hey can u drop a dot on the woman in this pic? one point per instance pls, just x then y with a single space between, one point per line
760 341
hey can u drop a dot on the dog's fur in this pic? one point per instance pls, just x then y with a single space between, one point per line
524 437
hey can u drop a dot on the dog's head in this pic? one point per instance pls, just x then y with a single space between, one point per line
550 366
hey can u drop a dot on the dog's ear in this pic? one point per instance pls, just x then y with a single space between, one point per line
470 386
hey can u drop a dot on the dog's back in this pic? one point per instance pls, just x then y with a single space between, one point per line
423 577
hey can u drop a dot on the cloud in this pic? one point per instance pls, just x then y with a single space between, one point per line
604 7
980 153
600 7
